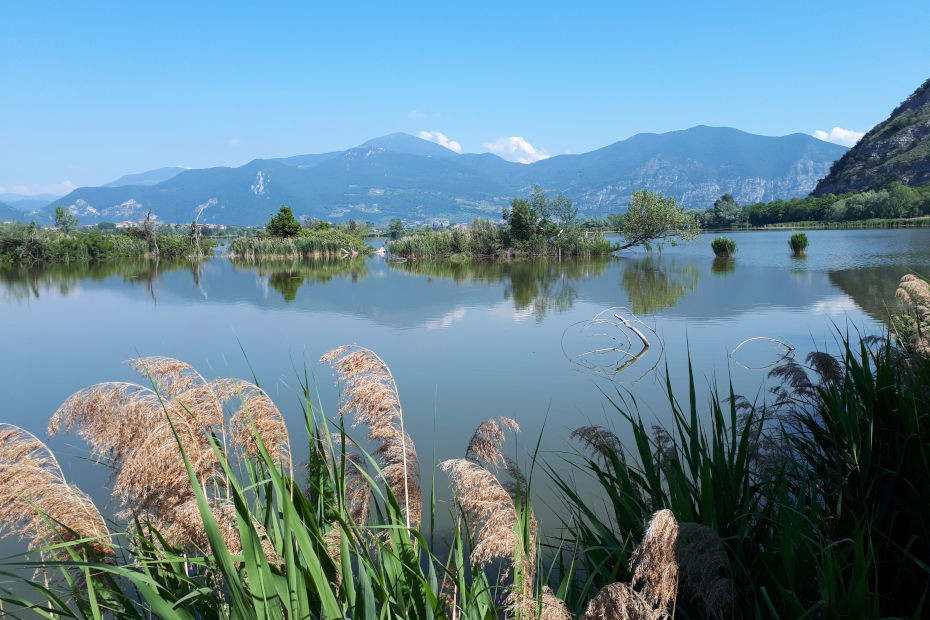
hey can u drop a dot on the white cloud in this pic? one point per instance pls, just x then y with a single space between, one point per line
838 135
442 139
516 149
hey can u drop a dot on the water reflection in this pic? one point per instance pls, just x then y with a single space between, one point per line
32 281
656 283
287 275
723 265
538 286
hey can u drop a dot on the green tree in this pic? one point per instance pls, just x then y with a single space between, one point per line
521 219
65 221
396 228
653 216
284 224
726 212
564 211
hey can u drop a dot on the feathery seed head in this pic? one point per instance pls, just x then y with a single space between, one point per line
370 394
618 601
654 560
37 503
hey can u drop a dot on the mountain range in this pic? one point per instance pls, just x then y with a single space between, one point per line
403 176
895 150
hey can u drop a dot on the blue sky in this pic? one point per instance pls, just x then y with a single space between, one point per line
89 93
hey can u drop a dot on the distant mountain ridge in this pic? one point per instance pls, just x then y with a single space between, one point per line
403 176
895 150
150 177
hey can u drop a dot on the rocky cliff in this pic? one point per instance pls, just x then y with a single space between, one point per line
895 150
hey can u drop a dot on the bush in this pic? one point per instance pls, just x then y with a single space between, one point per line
798 244
723 247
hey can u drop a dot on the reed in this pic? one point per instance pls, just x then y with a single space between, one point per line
310 243
798 244
812 507
723 247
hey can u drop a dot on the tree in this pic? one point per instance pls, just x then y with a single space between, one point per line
65 221
522 220
726 212
653 216
564 211
284 224
396 229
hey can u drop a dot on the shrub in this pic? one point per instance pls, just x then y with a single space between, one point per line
798 244
723 247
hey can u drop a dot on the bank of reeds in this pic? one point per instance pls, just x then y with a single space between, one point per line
487 240
811 507
24 244
310 243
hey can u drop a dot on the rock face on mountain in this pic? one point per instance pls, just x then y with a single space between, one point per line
895 150
405 177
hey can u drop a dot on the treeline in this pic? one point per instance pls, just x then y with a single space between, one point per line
28 243
894 202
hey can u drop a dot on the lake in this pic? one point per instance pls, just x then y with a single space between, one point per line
465 341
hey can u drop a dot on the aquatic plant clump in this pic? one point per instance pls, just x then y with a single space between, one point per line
798 244
310 243
723 247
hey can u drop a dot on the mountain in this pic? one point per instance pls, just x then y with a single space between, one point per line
895 150
25 202
150 177
8 212
403 176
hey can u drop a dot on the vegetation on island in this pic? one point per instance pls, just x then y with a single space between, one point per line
284 236
538 226
811 504
541 226
798 244
723 247
22 243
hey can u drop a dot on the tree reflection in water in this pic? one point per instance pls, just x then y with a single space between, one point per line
32 281
287 275
535 285
655 283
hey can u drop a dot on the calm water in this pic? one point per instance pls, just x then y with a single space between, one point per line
464 341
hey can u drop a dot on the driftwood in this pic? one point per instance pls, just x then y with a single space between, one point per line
617 330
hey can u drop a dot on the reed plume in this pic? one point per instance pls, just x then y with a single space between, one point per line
655 562
704 566
127 427
186 529
915 292
490 508
36 502
370 392
132 429
553 608
618 601
257 417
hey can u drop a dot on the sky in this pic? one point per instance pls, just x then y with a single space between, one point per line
89 92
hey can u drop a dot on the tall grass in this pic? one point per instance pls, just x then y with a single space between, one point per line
310 243
485 239
723 247
813 507
30 245
798 244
